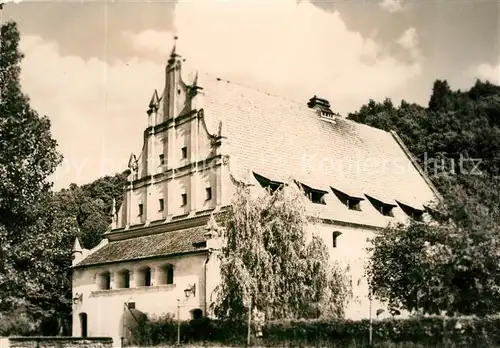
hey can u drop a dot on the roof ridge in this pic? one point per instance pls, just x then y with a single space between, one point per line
294 101
253 88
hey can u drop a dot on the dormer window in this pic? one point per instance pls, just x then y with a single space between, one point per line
436 214
384 208
350 201
268 184
354 204
414 213
316 196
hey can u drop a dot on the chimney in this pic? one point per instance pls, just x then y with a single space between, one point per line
322 106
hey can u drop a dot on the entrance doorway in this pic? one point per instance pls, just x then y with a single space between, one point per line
83 324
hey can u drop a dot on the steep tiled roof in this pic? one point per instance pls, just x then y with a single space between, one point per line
281 139
162 244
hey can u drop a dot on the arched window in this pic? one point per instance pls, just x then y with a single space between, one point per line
104 281
123 280
167 274
335 236
144 277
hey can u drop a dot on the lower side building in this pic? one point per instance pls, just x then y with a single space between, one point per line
172 269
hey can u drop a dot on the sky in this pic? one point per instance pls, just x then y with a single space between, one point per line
92 66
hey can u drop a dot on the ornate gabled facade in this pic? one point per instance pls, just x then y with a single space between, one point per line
205 134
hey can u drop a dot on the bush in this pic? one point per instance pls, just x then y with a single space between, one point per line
17 323
155 330
411 333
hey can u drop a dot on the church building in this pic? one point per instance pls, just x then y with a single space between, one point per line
204 135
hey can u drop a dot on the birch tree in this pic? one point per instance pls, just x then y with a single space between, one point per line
272 264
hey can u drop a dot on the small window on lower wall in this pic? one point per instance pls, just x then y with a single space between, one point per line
335 236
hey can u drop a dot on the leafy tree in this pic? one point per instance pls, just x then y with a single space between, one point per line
457 127
37 227
28 156
91 205
270 262
448 264
449 267
81 212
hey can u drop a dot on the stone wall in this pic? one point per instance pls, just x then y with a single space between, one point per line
56 342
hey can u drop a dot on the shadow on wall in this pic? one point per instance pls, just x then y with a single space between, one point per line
131 319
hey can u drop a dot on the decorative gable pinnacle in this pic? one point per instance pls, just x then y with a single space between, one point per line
213 229
133 165
154 103
194 89
114 215
173 53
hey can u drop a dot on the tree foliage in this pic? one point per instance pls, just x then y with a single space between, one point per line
91 206
83 212
270 262
37 226
28 155
450 263
448 267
